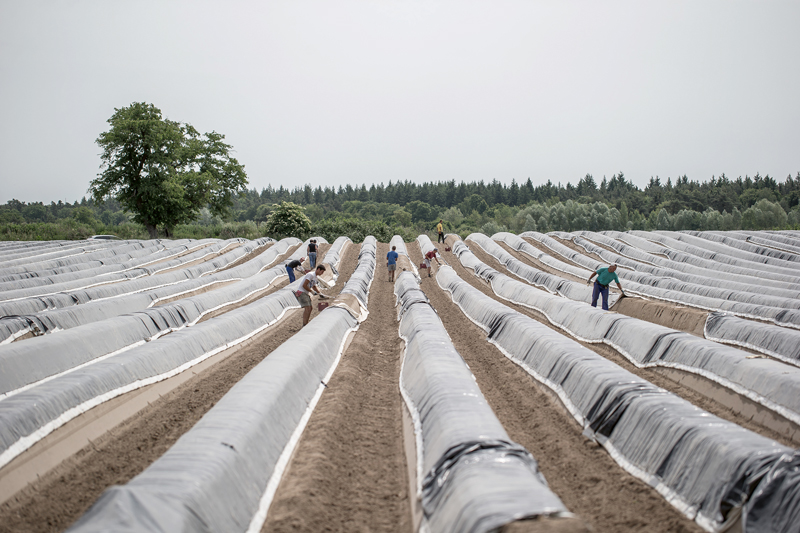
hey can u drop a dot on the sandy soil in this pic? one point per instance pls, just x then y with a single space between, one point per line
651 375
579 471
348 472
56 500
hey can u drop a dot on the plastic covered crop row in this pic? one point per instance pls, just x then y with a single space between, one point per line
471 476
223 473
521 245
115 277
747 246
36 359
100 305
333 256
569 289
715 251
32 259
706 467
361 279
776 240
642 261
767 382
404 260
723 289
781 317
37 304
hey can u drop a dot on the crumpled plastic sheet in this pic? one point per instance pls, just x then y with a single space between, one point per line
784 242
781 343
749 247
695 258
716 251
361 279
119 263
472 477
645 344
101 302
641 261
223 473
520 245
36 304
24 363
334 255
761 238
779 316
29 415
702 465
569 289
32 259
85 283
704 286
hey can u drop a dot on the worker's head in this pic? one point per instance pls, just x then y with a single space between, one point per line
435 249
320 269
612 268
394 248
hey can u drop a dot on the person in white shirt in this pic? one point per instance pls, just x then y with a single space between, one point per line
307 285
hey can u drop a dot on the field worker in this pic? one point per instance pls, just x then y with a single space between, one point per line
312 253
440 229
431 255
302 294
391 262
291 267
604 278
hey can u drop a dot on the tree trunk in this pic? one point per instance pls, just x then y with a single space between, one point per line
152 231
169 231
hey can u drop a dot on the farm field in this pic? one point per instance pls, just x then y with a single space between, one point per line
168 385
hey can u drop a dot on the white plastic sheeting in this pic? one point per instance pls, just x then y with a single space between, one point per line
33 305
223 473
781 343
397 241
781 317
472 477
102 305
580 292
769 383
705 466
748 247
25 363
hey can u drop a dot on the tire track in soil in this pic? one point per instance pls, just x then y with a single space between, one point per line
653 376
349 472
579 471
60 497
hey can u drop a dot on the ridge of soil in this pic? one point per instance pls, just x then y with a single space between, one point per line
578 470
348 472
652 375
59 498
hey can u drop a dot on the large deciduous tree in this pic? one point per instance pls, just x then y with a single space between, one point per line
163 171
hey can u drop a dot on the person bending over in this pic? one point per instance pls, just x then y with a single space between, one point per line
293 266
308 285
428 257
391 262
604 278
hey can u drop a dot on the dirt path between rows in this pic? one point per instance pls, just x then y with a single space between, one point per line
653 376
348 472
59 498
579 471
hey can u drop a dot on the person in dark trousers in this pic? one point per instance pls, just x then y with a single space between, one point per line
291 267
605 276
391 262
440 230
303 293
312 253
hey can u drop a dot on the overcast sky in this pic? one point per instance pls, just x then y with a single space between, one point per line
335 92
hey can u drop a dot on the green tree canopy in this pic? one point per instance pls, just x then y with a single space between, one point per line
163 171
288 220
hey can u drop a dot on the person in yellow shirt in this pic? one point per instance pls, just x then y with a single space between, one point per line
440 229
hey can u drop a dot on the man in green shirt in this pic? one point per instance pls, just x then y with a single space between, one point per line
604 278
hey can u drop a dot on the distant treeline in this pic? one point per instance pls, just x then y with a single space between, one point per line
408 208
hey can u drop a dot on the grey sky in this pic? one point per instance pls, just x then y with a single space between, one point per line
334 92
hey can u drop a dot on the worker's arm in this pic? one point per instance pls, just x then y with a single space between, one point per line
620 289
590 277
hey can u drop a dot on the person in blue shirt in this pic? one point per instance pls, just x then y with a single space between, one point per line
391 263
604 278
